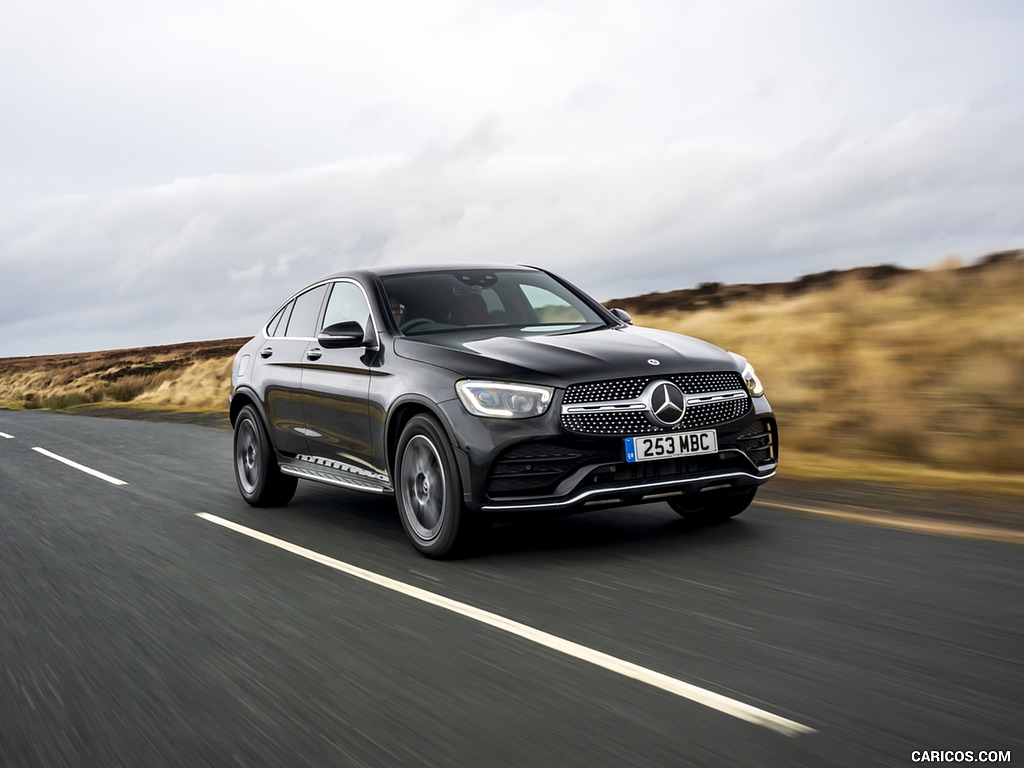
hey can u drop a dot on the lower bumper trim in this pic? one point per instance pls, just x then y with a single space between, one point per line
611 492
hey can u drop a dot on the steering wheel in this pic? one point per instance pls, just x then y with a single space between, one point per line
416 322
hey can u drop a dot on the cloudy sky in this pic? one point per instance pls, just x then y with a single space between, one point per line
172 171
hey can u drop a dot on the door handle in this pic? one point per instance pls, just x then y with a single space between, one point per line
266 352
314 354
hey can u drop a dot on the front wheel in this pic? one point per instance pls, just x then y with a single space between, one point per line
260 481
713 506
428 493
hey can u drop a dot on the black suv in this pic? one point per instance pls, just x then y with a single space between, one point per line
475 391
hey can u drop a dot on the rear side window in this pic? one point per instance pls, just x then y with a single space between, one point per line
302 323
279 322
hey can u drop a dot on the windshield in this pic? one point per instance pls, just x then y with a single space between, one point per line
530 301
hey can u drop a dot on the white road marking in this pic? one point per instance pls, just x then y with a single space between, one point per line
626 668
6 436
80 467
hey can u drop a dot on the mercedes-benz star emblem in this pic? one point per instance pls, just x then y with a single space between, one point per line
666 403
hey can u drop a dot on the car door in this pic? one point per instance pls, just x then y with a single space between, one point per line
336 385
282 357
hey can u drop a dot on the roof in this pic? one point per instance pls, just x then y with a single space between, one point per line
408 269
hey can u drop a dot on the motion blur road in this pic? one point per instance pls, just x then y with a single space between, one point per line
135 632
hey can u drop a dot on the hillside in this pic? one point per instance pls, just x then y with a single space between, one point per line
901 375
194 376
718 295
881 373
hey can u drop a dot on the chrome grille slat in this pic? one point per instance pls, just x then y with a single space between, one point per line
629 389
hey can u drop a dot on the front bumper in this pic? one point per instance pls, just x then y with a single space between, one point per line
634 492
534 465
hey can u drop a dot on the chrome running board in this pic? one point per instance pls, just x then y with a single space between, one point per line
333 475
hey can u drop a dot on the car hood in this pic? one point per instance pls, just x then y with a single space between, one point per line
567 358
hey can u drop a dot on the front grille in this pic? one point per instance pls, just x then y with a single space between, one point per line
628 389
636 423
628 423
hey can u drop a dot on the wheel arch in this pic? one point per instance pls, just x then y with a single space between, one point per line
399 416
242 398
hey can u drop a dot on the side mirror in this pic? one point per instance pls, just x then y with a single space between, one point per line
622 315
341 335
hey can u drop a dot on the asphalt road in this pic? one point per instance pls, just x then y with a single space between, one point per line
135 632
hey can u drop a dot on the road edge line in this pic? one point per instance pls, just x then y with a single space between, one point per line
916 525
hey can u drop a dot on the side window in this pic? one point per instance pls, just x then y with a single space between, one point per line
347 304
307 308
549 307
279 322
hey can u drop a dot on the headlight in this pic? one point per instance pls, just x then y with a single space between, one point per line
754 385
503 401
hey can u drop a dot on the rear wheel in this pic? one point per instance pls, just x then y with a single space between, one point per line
713 506
260 481
428 491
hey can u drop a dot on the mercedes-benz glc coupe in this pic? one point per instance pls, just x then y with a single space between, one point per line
469 392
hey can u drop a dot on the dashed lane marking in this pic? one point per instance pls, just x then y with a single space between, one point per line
80 467
628 669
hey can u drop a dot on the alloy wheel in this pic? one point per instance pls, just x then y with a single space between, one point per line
423 487
247 456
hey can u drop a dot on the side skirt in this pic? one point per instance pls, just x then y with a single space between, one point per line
335 473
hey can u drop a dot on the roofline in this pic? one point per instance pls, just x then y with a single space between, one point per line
387 270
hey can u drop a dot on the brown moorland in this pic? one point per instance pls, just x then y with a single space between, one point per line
881 373
194 377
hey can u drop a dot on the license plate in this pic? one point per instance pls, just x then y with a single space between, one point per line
671 446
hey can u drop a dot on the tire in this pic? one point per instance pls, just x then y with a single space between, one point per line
713 506
428 492
260 481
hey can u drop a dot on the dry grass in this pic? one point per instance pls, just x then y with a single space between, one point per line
920 372
911 379
203 387
193 377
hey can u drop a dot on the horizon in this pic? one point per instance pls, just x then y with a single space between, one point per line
947 264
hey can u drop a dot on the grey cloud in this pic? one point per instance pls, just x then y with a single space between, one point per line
212 256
